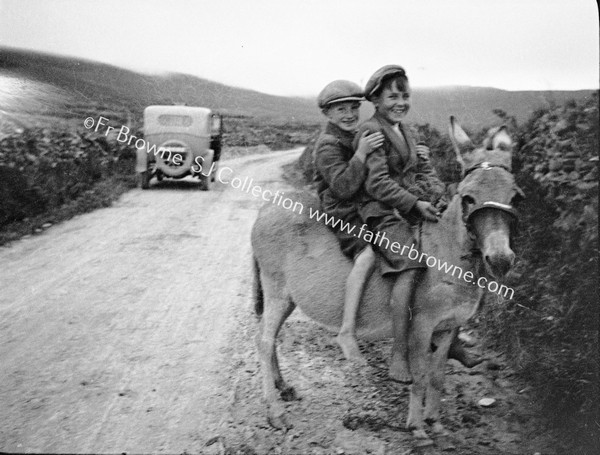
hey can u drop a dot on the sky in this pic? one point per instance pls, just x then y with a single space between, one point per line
296 47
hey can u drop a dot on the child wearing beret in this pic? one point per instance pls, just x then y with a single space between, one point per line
400 181
340 174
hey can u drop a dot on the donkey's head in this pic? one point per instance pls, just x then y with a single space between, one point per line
488 192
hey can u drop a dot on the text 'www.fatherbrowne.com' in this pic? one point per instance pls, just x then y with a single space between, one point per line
413 253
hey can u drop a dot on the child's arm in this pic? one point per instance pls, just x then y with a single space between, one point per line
381 186
344 178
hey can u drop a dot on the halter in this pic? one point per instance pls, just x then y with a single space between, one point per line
486 166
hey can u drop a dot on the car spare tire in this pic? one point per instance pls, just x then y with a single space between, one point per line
174 158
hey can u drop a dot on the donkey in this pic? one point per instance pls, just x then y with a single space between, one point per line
297 262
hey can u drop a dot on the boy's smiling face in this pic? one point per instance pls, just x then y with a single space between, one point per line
344 114
393 104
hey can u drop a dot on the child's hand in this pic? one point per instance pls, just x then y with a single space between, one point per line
427 211
367 144
422 151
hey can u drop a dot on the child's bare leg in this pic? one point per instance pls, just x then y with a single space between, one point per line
402 294
355 285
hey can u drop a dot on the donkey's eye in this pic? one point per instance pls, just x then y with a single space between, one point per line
518 197
466 199
467 202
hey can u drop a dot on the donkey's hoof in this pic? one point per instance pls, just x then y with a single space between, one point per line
468 359
350 348
438 429
400 372
277 418
288 394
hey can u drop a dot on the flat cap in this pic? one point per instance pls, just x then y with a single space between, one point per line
374 81
338 91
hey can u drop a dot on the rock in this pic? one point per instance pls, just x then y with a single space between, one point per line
46 225
486 402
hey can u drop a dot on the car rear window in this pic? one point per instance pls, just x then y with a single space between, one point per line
174 120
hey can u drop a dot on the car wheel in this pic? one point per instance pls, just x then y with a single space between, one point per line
204 183
144 179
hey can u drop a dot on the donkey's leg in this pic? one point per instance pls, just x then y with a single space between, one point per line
402 296
433 397
286 392
277 307
419 351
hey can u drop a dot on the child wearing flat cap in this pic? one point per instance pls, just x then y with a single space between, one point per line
400 180
340 174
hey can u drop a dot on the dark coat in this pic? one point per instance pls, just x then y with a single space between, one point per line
396 179
339 174
394 173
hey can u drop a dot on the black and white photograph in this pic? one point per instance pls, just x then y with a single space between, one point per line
299 227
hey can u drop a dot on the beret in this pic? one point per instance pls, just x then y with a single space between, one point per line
374 81
338 91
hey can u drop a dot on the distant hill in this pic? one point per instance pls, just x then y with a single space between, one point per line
75 88
473 106
85 83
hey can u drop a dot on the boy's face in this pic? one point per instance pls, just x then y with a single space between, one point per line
344 114
393 104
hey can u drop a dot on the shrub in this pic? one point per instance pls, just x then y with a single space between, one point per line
550 328
42 169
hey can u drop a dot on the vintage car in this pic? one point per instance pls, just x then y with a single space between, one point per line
180 141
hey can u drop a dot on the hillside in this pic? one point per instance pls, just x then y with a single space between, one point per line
474 105
87 83
72 88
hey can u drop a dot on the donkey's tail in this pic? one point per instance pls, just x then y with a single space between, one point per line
257 290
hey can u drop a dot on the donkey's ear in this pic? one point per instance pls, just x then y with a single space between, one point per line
502 140
460 140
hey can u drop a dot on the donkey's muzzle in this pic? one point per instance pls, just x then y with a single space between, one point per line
499 264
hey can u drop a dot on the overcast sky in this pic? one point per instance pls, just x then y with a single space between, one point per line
296 47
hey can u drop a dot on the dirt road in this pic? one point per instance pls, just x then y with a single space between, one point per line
129 330
114 326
